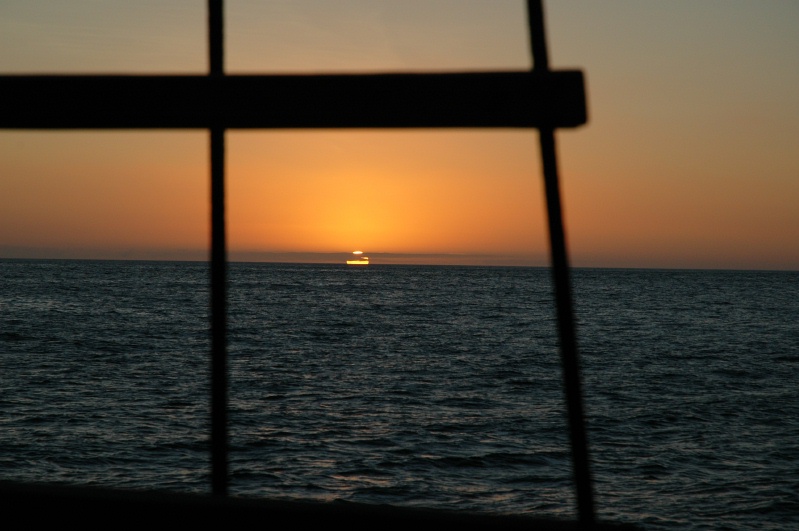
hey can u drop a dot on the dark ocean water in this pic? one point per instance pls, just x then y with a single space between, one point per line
417 386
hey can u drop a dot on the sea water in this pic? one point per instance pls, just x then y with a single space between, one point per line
414 386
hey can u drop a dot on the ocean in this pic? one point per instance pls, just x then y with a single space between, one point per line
411 385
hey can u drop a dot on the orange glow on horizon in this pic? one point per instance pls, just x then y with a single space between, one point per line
399 192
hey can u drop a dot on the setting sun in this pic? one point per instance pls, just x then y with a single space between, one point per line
402 192
359 259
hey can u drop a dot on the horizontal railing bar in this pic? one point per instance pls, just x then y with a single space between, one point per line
496 99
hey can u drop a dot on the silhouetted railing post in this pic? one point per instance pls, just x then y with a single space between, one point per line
219 391
562 283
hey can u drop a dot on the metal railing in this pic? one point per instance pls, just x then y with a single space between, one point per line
537 99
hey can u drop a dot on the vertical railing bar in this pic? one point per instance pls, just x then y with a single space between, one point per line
219 447
219 390
215 38
563 297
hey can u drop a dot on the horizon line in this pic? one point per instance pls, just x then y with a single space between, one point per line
339 258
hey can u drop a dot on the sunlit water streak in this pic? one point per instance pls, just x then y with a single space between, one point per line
422 386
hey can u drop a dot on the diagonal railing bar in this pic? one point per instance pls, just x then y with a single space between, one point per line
563 298
216 38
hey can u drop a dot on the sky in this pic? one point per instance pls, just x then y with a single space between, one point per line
689 158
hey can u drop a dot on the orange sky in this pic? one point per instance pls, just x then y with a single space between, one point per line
689 158
400 192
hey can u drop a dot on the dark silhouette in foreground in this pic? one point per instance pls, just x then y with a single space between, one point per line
537 99
93 508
